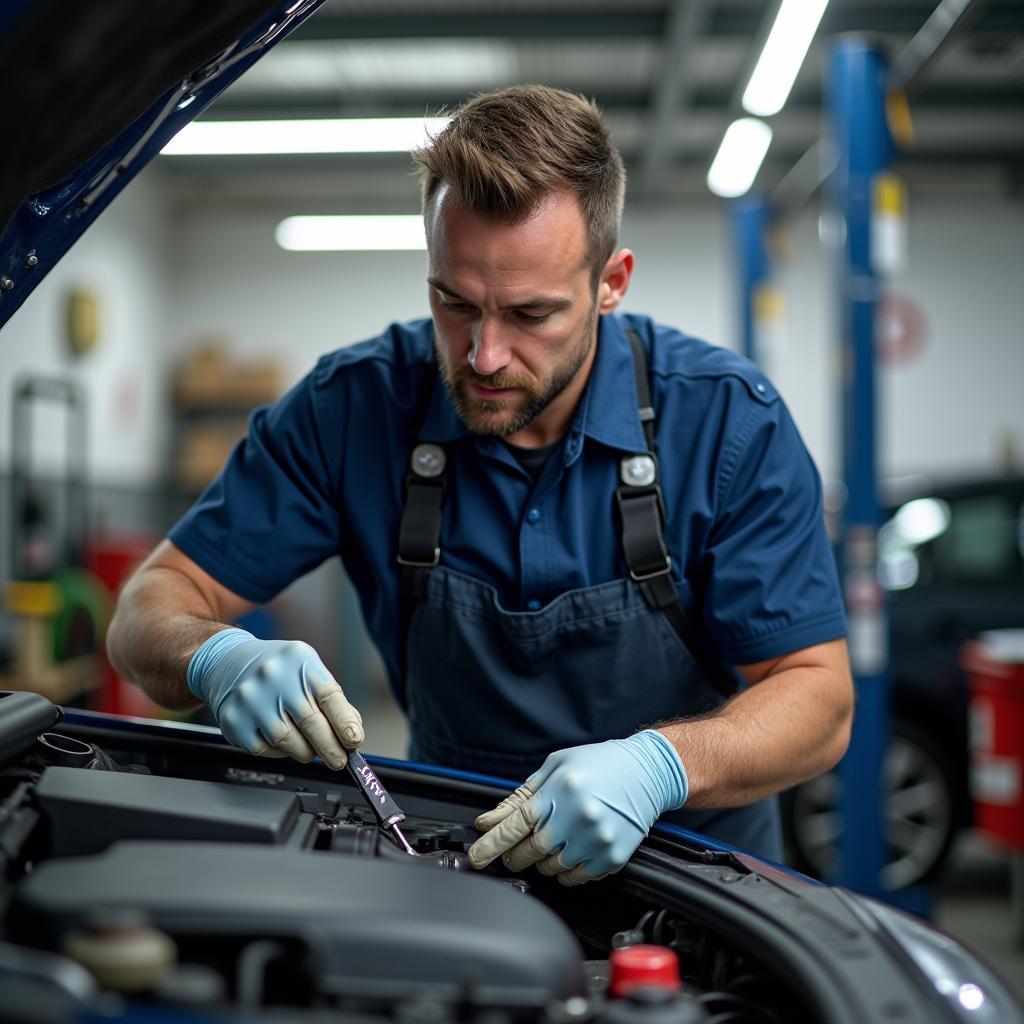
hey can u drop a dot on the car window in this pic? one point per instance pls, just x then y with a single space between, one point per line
981 542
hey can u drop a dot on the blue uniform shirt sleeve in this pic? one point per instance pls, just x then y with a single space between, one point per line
275 484
771 576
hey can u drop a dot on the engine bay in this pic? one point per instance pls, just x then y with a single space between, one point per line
141 871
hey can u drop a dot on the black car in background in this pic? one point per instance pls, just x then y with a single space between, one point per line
952 561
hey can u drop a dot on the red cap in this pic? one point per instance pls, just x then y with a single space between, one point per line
643 967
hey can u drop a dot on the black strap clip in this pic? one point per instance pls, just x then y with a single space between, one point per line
642 513
419 536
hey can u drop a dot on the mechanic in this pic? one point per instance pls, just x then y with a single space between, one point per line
581 540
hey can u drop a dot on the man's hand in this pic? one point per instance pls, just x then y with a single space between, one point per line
584 813
274 698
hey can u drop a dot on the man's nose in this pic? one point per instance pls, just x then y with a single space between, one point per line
490 352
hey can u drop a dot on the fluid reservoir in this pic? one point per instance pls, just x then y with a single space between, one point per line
643 966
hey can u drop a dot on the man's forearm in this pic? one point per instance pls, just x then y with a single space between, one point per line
780 732
161 620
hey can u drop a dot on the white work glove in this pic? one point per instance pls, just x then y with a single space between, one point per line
585 811
274 698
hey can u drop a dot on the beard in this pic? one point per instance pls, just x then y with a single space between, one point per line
506 416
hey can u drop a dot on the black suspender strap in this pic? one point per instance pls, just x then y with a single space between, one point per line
642 513
638 500
645 405
419 534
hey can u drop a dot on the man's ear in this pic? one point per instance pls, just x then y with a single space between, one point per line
614 281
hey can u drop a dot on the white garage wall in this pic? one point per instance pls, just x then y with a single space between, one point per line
202 271
956 407
961 403
232 282
122 260
950 410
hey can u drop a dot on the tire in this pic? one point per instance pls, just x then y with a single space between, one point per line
922 821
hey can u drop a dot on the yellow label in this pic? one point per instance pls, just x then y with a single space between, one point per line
897 114
769 304
890 195
33 597
82 320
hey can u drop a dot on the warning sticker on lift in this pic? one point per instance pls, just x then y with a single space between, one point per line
995 780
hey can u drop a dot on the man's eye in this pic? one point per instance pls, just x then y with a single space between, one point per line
457 307
532 318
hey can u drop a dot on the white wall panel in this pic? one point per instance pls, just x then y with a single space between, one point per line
216 272
121 259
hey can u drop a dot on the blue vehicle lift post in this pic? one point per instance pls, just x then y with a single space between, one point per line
856 102
750 215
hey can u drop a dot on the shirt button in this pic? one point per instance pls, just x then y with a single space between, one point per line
760 389
533 516
533 605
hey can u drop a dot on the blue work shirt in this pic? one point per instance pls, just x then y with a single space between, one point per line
321 472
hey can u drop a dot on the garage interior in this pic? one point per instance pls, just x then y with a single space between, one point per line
128 375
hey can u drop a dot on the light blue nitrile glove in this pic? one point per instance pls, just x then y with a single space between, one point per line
274 698
582 815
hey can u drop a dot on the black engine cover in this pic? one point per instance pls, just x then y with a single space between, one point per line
377 925
87 810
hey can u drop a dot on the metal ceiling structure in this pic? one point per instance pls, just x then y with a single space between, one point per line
668 74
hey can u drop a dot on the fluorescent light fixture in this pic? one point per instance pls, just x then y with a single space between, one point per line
383 233
329 67
783 53
739 157
323 135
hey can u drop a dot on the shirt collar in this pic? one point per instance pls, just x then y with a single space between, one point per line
608 411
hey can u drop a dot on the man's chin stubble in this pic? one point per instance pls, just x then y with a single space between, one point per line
495 419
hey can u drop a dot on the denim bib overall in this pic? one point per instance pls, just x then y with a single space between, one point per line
495 691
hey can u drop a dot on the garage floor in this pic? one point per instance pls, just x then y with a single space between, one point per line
974 906
973 903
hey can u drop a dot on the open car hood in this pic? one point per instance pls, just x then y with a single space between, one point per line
197 881
91 93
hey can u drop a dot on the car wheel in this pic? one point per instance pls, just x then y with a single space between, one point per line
920 796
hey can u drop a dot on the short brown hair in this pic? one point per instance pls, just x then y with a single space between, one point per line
504 151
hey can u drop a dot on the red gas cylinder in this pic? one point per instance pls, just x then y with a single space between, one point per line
643 967
995 669
113 559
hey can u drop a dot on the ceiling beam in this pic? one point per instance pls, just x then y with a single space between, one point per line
407 102
624 100
672 93
998 17
511 23
947 21
390 173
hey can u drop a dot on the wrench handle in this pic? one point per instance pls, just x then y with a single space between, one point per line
385 809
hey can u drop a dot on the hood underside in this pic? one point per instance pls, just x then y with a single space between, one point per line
91 93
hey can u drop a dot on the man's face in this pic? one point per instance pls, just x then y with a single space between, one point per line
515 315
